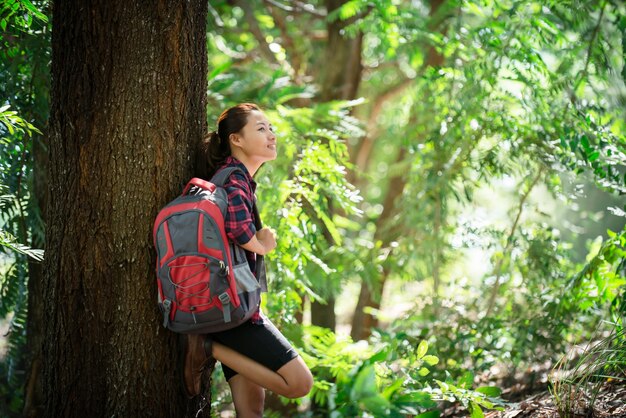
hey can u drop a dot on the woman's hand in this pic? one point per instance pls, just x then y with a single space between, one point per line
262 242
267 238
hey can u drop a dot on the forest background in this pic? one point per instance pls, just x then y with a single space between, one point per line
448 196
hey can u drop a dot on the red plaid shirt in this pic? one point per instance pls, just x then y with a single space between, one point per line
240 220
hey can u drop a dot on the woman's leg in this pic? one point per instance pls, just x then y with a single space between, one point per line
248 397
293 380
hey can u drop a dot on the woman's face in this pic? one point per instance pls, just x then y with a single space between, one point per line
256 140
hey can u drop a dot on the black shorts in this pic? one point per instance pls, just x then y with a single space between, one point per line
263 343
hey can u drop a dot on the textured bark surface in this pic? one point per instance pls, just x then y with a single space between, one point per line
128 107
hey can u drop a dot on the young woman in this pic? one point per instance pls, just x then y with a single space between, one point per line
255 355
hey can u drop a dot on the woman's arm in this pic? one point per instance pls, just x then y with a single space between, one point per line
262 242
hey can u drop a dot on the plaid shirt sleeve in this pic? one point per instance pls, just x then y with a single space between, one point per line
239 223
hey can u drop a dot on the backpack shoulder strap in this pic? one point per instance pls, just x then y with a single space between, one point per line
261 273
222 176
219 179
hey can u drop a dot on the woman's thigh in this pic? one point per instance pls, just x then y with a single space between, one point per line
263 343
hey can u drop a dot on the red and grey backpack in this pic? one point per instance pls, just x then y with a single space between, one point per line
204 281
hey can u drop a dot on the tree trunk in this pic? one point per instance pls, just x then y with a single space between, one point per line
339 81
362 322
128 107
323 314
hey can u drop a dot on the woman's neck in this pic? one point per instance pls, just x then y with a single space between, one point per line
251 165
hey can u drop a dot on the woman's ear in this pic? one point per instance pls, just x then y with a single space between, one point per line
235 140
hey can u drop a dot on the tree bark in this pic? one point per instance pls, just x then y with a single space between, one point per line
128 107
342 69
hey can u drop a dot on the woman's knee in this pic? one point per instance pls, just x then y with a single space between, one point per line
300 389
300 385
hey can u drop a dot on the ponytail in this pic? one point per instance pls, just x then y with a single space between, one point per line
212 154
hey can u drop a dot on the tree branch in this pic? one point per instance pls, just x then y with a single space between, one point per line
256 31
509 242
594 35
288 42
364 149
297 7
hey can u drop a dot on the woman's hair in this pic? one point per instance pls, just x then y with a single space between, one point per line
215 147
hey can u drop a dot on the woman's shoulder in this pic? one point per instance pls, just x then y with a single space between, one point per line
235 170
237 179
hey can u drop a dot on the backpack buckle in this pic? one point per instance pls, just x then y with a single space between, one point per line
223 270
167 307
225 299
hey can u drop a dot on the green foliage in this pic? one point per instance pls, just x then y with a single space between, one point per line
457 103
474 400
388 377
602 280
13 308
560 304
523 92
311 179
9 241
19 13
14 255
14 124
24 63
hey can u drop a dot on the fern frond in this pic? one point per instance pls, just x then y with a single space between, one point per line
9 241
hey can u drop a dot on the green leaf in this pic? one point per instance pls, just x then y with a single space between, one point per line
474 9
378 405
379 356
492 391
431 360
466 380
421 399
392 388
10 128
422 348
220 69
9 241
429 414
364 384
349 9
476 411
